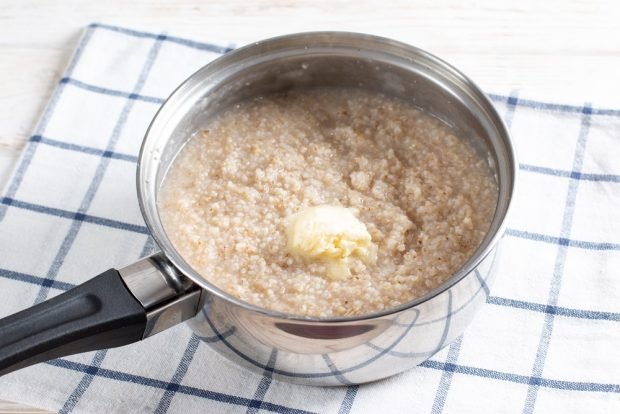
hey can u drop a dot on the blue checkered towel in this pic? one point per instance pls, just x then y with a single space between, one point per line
547 341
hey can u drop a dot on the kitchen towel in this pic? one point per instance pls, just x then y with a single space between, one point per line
547 341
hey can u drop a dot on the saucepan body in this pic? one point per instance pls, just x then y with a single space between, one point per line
331 351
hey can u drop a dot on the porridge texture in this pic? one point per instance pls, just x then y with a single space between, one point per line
425 197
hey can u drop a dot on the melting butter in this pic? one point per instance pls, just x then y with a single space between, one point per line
332 235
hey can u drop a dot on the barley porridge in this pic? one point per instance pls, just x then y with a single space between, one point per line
423 196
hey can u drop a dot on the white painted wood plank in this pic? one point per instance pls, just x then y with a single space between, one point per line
7 407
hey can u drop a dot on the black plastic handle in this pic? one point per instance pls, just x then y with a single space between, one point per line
98 314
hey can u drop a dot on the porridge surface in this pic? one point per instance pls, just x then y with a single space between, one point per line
424 195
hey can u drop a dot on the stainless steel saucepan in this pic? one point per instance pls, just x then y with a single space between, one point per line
122 306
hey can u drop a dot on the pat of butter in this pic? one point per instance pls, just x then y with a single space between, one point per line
332 235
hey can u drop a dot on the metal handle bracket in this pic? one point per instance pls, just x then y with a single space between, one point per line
168 297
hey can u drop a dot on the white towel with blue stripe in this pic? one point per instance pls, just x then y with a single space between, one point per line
547 341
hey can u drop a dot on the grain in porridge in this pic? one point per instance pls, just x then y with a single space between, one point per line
424 195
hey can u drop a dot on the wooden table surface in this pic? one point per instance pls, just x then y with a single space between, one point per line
555 49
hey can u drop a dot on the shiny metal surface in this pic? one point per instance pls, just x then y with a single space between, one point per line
168 297
166 315
342 353
333 351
